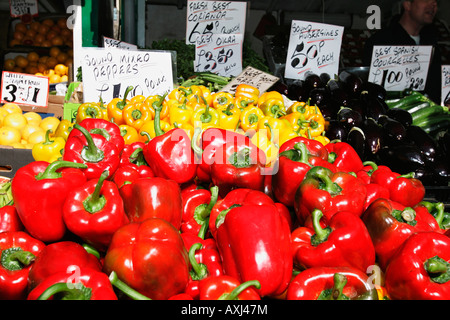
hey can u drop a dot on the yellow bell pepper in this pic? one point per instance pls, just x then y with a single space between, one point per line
273 107
299 106
130 134
221 99
48 150
245 95
275 126
179 112
89 110
153 100
249 118
205 116
269 95
200 94
263 142
63 129
286 135
229 117
295 119
187 127
115 107
315 125
149 128
136 114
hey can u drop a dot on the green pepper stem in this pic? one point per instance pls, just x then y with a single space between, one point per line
121 104
199 270
410 175
203 229
323 175
15 258
158 108
436 210
299 153
438 269
340 281
204 211
89 153
241 159
234 295
91 250
70 291
96 202
206 116
51 170
321 234
126 289
47 137
197 149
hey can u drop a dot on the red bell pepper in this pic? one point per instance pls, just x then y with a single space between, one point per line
105 128
404 189
331 283
94 211
344 242
18 251
329 192
420 270
344 157
238 166
206 146
9 219
226 287
76 284
170 154
153 198
205 262
197 206
150 257
390 224
39 190
374 190
57 257
94 150
237 197
437 210
255 244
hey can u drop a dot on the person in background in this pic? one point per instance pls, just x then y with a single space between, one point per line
414 26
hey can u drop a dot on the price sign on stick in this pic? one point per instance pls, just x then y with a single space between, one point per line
19 8
214 17
445 85
113 43
24 89
400 67
253 77
219 53
313 47
107 73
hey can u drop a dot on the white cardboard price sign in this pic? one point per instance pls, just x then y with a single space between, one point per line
113 43
445 84
253 77
313 47
400 67
107 72
211 17
19 8
24 89
219 53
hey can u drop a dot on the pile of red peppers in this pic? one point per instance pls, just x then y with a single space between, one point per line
206 219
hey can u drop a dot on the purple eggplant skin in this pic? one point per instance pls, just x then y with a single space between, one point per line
443 141
279 87
313 81
374 90
357 140
393 129
352 83
338 93
401 158
297 91
374 107
335 130
349 117
319 97
330 110
400 115
374 138
423 141
357 105
441 170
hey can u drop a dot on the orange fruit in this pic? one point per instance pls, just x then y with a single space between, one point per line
51 62
57 41
21 61
49 123
64 78
43 59
9 64
33 56
54 51
61 69
46 44
29 129
35 25
39 38
54 78
51 34
32 117
9 136
41 67
66 33
62 57
30 33
49 72
18 35
15 120
21 27
18 69
14 42
43 29
48 22
62 23
36 137
31 69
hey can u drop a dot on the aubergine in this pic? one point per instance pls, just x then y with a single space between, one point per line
313 81
374 107
330 109
352 83
338 93
402 158
280 87
374 138
357 140
349 117
443 141
356 104
335 130
319 97
441 170
374 90
297 92
393 129
424 141
400 115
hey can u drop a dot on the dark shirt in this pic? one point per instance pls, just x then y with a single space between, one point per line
395 35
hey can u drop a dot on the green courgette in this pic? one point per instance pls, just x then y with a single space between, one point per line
426 113
413 98
434 124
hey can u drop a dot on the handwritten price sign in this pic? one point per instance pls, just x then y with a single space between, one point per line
445 85
24 89
253 77
214 17
313 47
400 67
107 73
219 53
19 8
113 43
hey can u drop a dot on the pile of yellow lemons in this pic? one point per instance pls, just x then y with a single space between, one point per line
22 130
